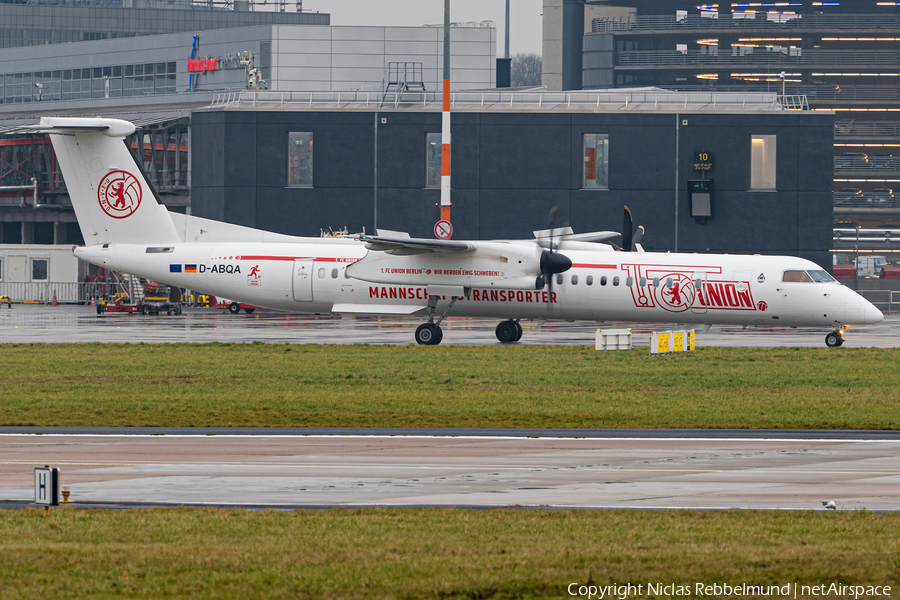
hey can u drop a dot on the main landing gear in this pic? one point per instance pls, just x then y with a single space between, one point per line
508 331
835 338
430 333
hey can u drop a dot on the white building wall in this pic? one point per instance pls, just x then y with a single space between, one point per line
307 58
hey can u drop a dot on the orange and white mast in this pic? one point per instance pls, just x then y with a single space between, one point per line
445 121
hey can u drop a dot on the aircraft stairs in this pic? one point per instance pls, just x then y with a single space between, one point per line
399 78
134 286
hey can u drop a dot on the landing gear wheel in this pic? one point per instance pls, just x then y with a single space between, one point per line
519 330
834 339
507 332
249 311
234 308
429 334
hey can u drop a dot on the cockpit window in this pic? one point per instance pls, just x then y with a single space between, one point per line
821 276
800 276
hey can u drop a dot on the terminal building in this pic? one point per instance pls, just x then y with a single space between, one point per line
341 128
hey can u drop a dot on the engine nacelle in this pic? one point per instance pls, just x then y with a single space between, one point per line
498 265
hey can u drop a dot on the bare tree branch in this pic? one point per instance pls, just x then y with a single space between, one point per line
525 70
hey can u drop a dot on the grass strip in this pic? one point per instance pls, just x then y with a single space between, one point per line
454 386
428 553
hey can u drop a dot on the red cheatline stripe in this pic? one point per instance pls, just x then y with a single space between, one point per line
446 95
588 266
316 258
445 159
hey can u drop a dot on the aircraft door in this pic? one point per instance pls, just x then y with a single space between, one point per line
699 280
302 280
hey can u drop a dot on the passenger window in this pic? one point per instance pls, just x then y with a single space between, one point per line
629 280
669 282
321 273
698 283
334 273
589 280
656 282
603 280
559 279
574 279
643 282
797 276
616 280
346 274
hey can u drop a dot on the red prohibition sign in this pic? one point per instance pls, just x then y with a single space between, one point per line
443 229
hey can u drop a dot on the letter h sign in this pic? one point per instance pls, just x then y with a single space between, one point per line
46 486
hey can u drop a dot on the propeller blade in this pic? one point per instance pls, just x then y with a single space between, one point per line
637 236
627 231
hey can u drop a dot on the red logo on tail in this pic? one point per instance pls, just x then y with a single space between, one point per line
119 194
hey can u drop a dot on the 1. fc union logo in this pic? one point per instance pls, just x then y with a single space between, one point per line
119 194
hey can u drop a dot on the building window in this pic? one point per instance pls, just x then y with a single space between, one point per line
762 162
433 160
596 161
39 269
300 159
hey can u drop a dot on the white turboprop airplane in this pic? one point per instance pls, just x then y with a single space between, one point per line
557 275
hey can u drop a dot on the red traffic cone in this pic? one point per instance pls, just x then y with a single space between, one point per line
54 303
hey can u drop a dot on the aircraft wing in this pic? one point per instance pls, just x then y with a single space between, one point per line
377 309
593 236
398 242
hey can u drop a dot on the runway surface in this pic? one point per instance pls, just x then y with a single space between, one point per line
77 324
287 471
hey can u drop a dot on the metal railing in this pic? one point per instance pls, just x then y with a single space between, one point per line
866 129
809 57
881 23
584 100
863 200
844 165
884 300
67 292
831 93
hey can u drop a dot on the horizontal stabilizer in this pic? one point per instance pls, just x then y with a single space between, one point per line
377 309
114 128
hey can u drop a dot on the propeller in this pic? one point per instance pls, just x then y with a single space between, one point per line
631 240
552 262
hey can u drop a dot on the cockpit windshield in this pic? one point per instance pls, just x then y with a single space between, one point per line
821 276
807 276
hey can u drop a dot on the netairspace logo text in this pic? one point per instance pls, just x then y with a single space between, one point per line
701 590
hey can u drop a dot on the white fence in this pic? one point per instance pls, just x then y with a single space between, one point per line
45 292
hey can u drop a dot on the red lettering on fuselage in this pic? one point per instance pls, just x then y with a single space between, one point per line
390 293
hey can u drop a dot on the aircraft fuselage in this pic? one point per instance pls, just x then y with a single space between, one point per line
602 285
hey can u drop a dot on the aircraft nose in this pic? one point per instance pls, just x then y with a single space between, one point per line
871 315
859 311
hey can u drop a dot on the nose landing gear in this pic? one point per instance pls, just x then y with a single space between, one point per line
835 339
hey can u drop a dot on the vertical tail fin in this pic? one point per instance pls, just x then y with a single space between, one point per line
112 200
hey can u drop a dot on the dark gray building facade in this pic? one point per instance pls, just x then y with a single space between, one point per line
509 168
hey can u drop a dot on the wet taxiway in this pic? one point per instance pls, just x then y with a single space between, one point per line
77 324
334 471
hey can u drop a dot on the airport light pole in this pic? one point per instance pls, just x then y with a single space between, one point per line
506 35
445 121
